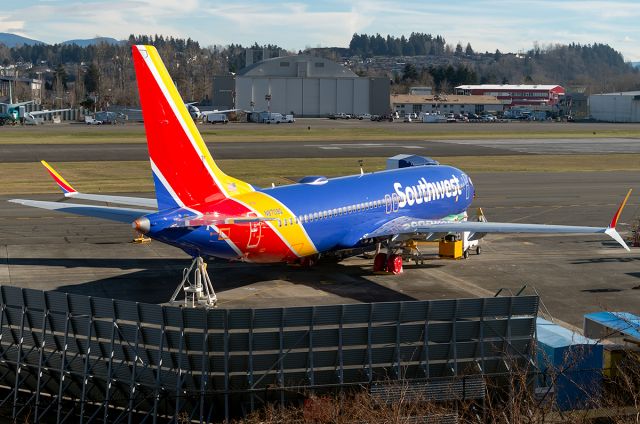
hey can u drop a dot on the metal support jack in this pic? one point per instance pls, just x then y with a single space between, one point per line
198 292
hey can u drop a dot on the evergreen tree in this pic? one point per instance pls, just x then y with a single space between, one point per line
92 79
458 49
409 72
468 50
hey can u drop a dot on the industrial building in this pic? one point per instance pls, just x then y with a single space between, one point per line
309 86
444 104
21 88
615 107
535 97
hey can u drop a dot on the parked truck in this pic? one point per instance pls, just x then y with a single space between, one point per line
217 118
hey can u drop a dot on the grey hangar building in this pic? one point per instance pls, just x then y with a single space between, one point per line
304 85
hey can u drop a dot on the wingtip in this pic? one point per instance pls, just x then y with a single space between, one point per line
611 232
616 216
64 185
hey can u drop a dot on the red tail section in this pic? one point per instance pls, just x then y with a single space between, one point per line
184 171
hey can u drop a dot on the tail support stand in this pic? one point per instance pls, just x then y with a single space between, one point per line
200 291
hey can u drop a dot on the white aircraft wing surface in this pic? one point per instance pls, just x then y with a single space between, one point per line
71 192
120 200
44 112
126 215
407 226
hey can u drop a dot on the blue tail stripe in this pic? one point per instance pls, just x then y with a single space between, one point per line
164 198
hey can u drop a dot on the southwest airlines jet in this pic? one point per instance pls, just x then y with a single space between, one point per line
207 213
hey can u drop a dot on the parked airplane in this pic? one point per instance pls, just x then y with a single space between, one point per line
16 112
208 213
197 114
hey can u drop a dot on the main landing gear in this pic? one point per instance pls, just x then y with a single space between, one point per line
388 263
384 263
198 292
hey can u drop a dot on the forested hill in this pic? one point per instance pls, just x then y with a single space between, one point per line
596 67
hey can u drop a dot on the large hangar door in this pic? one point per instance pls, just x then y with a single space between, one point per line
294 96
361 96
311 97
345 95
328 97
278 92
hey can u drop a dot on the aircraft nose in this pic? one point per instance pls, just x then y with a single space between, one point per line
142 225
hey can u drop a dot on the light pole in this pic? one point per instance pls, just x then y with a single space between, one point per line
267 97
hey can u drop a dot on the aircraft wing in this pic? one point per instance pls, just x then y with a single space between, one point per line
70 192
125 215
412 227
17 104
44 112
209 112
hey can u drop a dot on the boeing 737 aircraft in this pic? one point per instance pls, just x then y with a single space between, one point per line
208 213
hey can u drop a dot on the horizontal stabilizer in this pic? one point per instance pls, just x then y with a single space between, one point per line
69 191
105 212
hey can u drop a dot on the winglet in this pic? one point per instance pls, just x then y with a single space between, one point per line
62 183
615 218
611 230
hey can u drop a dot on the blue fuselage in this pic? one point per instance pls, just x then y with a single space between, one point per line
333 214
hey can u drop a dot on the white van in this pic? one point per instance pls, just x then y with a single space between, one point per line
275 118
214 118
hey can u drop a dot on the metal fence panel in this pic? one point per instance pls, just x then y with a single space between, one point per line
127 359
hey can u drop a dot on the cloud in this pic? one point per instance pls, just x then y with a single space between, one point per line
7 24
290 25
486 24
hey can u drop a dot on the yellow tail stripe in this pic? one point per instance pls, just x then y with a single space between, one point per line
294 235
231 185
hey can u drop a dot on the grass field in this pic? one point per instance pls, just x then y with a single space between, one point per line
321 130
135 176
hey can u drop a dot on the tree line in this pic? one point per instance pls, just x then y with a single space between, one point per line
104 73
593 67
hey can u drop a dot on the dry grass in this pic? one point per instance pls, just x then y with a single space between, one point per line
319 130
135 176
508 400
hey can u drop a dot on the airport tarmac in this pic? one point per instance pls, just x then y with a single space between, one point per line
574 275
333 149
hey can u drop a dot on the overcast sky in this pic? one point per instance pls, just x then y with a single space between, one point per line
487 24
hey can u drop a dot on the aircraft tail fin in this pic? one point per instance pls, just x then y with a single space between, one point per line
184 171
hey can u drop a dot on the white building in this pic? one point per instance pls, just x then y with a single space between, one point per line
444 104
615 107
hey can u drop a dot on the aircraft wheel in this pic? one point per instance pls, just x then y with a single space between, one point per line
307 261
478 250
394 264
380 262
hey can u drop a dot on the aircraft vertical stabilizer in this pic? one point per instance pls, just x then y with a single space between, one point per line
184 171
